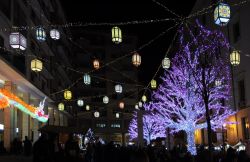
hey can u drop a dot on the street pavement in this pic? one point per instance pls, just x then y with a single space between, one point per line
14 158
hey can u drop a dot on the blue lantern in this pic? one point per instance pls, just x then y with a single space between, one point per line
222 14
40 34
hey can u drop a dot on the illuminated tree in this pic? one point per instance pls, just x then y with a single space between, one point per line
152 128
188 96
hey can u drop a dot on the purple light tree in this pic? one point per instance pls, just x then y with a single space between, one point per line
152 128
191 86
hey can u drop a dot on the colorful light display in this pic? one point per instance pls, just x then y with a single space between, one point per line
7 98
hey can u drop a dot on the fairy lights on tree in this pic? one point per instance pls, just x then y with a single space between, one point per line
189 89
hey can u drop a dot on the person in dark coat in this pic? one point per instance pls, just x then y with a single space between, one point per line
41 149
27 146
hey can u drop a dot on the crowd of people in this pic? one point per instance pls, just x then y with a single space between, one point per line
47 148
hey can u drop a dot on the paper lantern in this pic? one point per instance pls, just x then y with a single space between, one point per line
97 114
222 14
117 115
36 65
80 103
217 82
136 107
153 84
86 79
17 41
55 34
87 107
40 34
136 59
67 94
144 98
235 58
105 99
166 63
121 105
118 88
61 106
140 104
116 35
96 64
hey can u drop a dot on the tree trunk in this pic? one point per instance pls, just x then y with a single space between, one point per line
191 143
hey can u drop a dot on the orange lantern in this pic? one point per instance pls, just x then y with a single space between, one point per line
96 64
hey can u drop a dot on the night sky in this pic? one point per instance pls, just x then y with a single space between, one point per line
129 10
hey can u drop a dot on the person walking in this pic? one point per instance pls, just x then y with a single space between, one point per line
27 146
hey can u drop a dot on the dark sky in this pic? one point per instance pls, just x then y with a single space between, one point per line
129 10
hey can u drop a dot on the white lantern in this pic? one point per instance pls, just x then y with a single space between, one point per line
40 34
55 34
18 41
87 107
222 14
153 84
121 105
67 94
80 103
105 99
97 114
136 107
136 59
61 106
235 58
140 104
116 35
117 115
217 82
144 98
166 63
86 79
36 65
118 88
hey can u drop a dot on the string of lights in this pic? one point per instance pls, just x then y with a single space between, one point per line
166 8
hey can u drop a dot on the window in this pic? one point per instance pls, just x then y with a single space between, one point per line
115 126
245 127
241 87
236 32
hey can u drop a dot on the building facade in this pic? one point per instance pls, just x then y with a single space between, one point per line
16 75
237 126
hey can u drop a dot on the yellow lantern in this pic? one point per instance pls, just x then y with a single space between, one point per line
61 106
153 84
36 65
67 94
87 107
117 115
121 105
96 64
136 107
235 58
136 59
116 35
144 98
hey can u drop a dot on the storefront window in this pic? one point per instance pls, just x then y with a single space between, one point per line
245 127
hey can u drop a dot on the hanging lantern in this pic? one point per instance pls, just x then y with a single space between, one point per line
86 79
36 65
235 58
222 14
97 114
87 107
18 41
153 84
80 103
136 107
118 88
166 63
136 59
61 106
117 115
140 104
96 64
67 94
217 82
121 105
40 34
116 35
144 98
105 99
55 34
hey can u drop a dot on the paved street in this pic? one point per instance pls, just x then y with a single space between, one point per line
12 158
